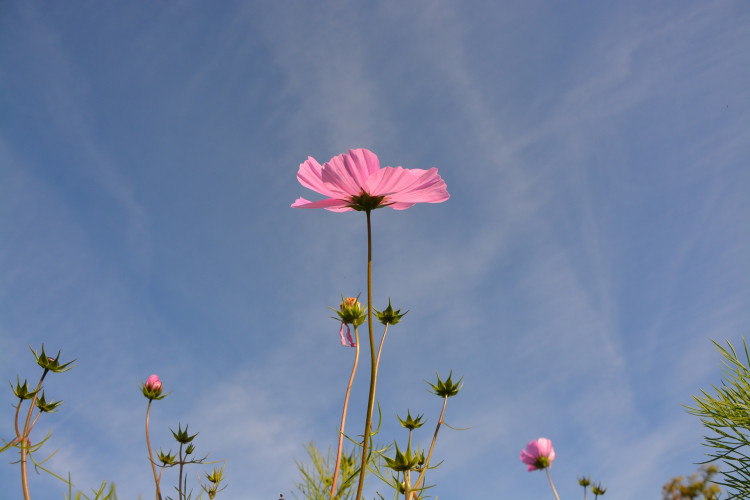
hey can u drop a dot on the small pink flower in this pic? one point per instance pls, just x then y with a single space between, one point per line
538 454
355 181
153 384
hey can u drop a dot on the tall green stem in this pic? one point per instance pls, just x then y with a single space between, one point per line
343 416
373 365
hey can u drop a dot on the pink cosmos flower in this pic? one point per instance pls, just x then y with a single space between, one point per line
153 384
538 454
355 181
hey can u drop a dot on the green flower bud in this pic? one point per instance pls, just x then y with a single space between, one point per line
404 461
389 316
446 389
46 407
411 423
166 458
351 312
216 475
598 489
22 391
584 481
49 363
181 436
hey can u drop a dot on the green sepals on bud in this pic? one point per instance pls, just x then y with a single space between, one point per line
22 391
190 449
584 481
389 316
51 364
216 475
446 389
46 407
404 461
351 311
598 489
411 423
400 486
181 436
166 458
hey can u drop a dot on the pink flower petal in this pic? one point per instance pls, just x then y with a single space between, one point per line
310 175
346 341
408 186
329 203
348 173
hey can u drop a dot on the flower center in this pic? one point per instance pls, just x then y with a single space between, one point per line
365 202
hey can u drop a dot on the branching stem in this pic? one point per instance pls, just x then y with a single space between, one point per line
24 438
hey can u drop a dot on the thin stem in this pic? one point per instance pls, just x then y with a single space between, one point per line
373 365
182 464
343 415
150 453
18 411
35 419
380 349
432 447
26 442
407 484
551 483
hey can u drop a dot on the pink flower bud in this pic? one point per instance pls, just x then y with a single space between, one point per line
153 384
348 303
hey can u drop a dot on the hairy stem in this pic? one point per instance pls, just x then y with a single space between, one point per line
343 416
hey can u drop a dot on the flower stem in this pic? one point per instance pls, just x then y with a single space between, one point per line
343 416
182 464
373 365
150 453
432 447
551 483
25 442
382 341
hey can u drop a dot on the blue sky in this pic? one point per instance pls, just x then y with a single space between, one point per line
598 232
